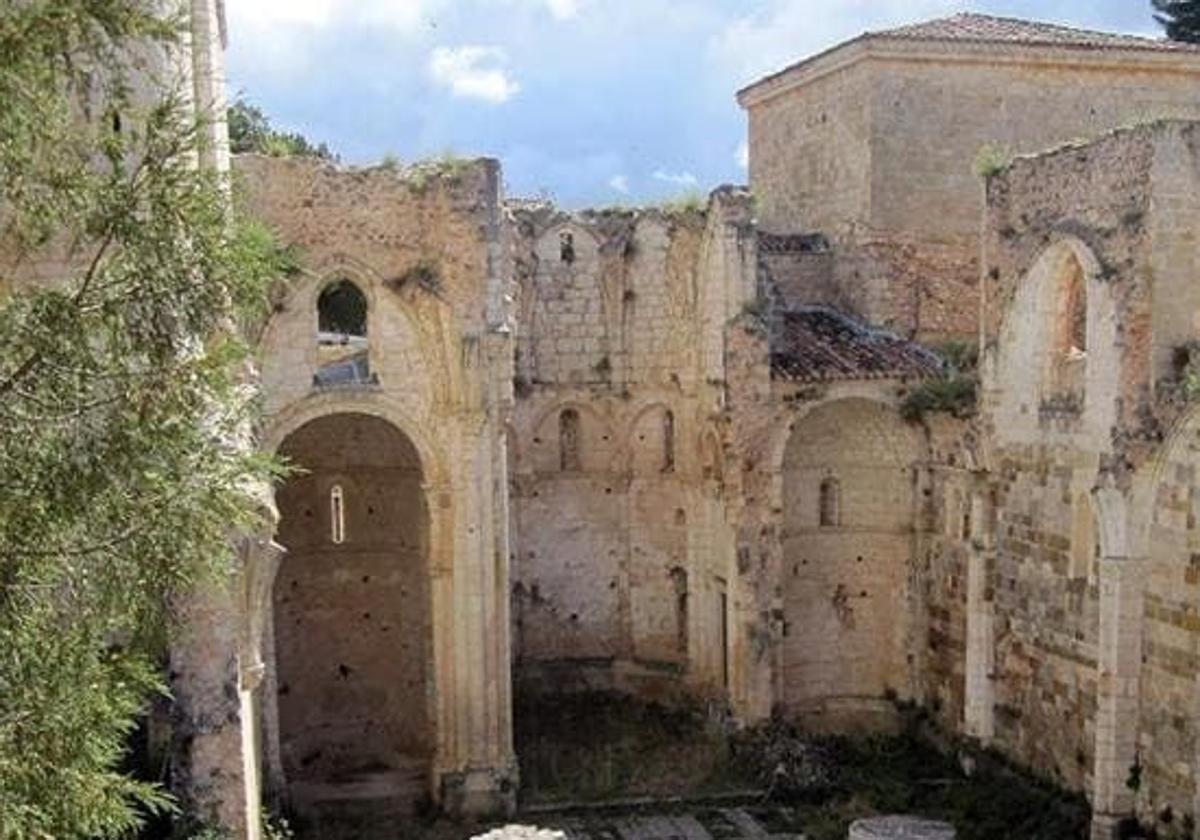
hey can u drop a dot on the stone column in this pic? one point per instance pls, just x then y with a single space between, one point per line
477 765
215 670
207 764
979 702
1118 665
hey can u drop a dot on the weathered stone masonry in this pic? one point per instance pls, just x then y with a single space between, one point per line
661 452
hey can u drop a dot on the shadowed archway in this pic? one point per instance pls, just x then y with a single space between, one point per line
352 624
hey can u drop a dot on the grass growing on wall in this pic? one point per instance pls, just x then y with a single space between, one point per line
953 391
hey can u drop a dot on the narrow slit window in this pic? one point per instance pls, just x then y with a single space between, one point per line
337 515
568 441
669 442
830 503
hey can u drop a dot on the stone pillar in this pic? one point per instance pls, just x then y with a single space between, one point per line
477 766
478 770
1118 667
215 670
207 762
979 702
208 81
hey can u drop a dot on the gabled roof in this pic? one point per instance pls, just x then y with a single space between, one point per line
816 343
976 30
969 26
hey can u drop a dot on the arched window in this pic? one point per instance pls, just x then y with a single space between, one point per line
568 440
830 503
668 441
337 515
342 356
341 312
1069 348
1074 326
711 451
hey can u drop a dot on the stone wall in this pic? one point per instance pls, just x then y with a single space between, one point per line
874 144
623 554
432 362
850 476
1092 468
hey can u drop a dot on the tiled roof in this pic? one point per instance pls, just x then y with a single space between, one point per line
817 343
969 26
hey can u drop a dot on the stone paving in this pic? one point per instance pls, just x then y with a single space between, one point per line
699 824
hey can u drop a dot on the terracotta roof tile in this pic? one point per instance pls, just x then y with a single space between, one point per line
817 343
969 26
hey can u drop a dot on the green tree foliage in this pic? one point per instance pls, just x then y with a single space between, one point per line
123 399
250 131
1180 18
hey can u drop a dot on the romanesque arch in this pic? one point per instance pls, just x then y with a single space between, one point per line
353 629
652 447
849 473
1057 348
1164 523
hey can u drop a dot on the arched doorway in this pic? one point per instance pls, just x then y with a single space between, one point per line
848 516
352 624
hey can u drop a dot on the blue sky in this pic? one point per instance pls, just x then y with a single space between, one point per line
589 102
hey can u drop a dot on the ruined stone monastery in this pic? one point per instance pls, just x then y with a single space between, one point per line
662 451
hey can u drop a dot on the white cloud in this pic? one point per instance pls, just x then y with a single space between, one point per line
679 179
279 39
564 9
784 31
474 72
620 183
741 155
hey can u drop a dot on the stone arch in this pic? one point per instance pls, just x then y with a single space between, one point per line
1157 544
1042 376
355 700
549 242
595 439
843 580
712 457
329 271
436 488
415 348
343 334
652 440
301 412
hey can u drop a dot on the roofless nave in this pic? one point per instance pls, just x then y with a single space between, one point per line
661 452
